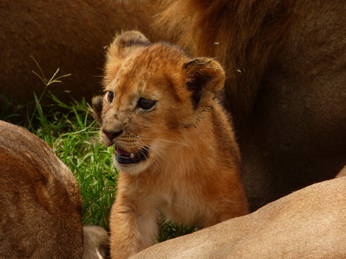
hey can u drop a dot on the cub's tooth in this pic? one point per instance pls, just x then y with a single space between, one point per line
132 155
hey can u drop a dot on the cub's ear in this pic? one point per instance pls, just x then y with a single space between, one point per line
122 46
204 78
96 110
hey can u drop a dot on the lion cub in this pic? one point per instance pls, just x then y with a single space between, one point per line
174 147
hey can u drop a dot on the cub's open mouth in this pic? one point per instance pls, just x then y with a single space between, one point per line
124 157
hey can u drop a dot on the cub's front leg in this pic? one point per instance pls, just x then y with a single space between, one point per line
132 228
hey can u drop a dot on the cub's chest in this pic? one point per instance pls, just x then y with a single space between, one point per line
180 205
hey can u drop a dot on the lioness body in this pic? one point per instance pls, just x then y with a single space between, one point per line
40 202
309 223
67 35
175 149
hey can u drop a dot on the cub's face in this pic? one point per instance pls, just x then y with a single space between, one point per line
153 94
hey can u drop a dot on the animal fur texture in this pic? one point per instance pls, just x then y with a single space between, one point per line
41 207
175 149
309 223
69 36
285 83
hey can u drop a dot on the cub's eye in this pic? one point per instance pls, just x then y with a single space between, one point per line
109 96
145 104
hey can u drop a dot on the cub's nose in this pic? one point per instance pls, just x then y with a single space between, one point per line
112 135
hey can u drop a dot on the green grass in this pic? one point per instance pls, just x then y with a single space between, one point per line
74 137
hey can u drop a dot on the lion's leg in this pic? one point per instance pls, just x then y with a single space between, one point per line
125 237
131 231
148 226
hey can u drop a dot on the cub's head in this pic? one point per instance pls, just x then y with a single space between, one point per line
154 95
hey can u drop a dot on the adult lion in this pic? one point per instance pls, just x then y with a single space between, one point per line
69 35
309 223
40 203
39 199
285 63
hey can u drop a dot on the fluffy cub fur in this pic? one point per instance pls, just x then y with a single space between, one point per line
174 147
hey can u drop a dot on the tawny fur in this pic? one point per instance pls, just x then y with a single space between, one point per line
285 88
309 223
95 242
284 63
192 173
68 35
342 172
41 207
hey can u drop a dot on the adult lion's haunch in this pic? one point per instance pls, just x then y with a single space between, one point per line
285 64
40 203
309 223
174 146
69 35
